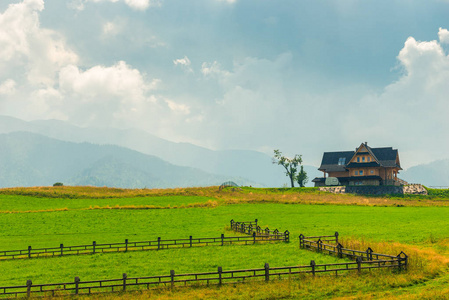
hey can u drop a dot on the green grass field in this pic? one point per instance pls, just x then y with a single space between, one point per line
38 221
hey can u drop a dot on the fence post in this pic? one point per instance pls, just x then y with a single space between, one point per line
336 237
258 229
276 234
340 250
267 272
254 237
232 224
94 243
301 240
126 245
402 257
190 238
312 264
158 243
286 236
250 228
172 278
256 222
77 282
222 239
29 251
369 253
124 281
319 244
359 263
219 275
267 231
62 248
29 284
242 228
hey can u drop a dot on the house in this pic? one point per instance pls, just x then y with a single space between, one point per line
364 166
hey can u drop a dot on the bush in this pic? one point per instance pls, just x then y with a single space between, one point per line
58 184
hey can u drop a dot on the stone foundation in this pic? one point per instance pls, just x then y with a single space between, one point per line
415 189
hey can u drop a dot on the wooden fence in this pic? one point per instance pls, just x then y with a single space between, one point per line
173 280
251 227
378 260
365 260
251 238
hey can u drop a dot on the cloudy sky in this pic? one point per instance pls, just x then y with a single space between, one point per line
301 76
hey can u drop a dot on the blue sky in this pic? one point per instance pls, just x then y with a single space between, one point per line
301 76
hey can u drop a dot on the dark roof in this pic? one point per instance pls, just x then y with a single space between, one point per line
319 179
329 163
385 156
350 178
356 178
363 165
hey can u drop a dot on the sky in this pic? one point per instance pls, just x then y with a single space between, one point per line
305 77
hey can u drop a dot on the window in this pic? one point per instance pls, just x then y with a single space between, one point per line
369 158
361 172
358 159
341 161
363 159
356 172
371 171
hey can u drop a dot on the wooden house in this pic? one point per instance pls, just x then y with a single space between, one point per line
364 166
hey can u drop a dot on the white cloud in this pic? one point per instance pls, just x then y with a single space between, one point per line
411 112
8 87
228 1
178 108
110 29
27 48
119 80
184 62
443 35
135 4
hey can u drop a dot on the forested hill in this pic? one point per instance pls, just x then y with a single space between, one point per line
28 159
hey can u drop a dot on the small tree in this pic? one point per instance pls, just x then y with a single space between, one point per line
302 178
290 164
58 184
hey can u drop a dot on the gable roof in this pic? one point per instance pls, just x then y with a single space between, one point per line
384 157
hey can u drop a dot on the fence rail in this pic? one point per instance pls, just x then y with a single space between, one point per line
317 243
219 277
251 227
364 260
251 237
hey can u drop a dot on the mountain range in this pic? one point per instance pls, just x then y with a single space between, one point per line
47 151
122 158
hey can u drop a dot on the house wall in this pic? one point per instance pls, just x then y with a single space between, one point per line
366 171
339 174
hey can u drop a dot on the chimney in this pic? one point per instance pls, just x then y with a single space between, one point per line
366 143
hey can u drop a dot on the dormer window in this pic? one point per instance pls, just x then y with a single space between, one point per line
341 161
358 159
363 159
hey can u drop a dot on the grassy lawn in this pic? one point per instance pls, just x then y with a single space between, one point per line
388 229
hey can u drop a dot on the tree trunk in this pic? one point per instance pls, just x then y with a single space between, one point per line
291 180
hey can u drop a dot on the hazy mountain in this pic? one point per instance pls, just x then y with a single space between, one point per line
252 165
28 159
432 174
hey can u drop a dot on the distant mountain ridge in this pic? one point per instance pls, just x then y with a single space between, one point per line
432 174
255 166
29 159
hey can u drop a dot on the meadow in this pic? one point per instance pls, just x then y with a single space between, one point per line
46 217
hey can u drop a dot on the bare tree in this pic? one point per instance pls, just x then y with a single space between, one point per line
290 164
